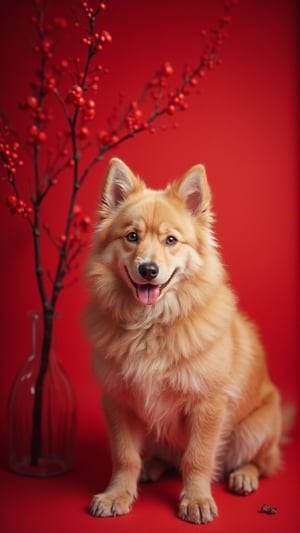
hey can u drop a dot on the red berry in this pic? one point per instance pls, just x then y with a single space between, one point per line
85 223
171 109
76 90
94 87
33 130
77 210
104 137
46 45
193 82
167 69
64 64
11 200
90 104
83 133
41 137
105 37
32 102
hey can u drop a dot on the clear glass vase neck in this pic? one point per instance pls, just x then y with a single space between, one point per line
39 325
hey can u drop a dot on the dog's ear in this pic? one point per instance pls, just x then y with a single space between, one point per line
194 191
119 182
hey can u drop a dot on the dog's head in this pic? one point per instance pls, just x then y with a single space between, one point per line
148 241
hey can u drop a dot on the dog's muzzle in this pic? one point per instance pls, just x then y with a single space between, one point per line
148 293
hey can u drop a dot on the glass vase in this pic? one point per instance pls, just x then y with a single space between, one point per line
41 408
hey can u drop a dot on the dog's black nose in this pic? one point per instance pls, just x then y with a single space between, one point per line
148 271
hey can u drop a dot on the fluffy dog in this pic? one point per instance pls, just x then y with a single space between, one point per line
183 371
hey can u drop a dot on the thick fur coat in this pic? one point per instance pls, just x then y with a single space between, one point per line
183 371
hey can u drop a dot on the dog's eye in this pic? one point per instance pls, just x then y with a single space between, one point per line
132 236
171 240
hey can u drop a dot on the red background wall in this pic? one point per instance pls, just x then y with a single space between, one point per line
242 126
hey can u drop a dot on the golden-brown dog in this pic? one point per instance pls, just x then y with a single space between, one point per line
183 371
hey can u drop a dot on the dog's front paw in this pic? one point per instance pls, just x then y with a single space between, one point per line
198 510
111 504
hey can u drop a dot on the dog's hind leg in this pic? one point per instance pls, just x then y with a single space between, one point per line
254 449
244 480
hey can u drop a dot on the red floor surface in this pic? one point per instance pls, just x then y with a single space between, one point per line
59 505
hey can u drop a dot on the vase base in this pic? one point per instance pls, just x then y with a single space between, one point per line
46 467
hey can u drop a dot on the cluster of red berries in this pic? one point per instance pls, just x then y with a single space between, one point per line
217 38
9 157
133 121
61 66
90 12
94 40
97 40
177 102
18 206
134 118
10 161
78 236
80 221
160 79
80 226
32 104
44 47
92 81
76 97
36 134
159 83
44 28
58 23
107 139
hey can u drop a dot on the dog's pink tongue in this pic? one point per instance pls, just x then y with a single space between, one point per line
148 294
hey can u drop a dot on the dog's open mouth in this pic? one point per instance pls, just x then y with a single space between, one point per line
148 293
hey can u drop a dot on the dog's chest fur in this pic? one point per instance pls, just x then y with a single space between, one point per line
145 376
